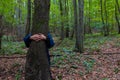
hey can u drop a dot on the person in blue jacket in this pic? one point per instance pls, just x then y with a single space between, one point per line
37 37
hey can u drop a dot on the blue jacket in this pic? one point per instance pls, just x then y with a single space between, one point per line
49 41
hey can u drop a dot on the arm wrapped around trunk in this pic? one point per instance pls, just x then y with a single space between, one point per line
27 40
49 40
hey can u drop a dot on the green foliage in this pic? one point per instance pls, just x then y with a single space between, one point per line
9 10
105 78
8 38
116 70
9 48
89 64
18 76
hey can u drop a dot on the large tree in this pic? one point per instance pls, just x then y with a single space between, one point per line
37 65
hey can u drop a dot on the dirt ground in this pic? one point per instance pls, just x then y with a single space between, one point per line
106 67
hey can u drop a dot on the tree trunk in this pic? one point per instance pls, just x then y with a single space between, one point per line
117 3
89 26
117 19
67 18
102 18
28 25
80 27
75 22
62 24
37 64
1 31
19 17
106 18
116 15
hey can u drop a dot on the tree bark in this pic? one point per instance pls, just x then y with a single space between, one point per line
67 18
1 31
117 3
89 26
106 18
80 27
117 19
28 25
37 64
75 22
102 18
116 15
62 24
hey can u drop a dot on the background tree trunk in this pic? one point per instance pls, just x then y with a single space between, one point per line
89 22
1 31
116 15
67 18
75 22
62 24
117 3
102 17
106 19
37 64
80 27
28 25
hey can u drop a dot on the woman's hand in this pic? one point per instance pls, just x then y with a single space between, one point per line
38 37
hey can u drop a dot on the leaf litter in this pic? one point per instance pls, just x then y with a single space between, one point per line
103 65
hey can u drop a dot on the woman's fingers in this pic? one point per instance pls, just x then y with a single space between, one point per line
43 36
38 37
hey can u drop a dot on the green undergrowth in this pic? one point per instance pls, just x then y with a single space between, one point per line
92 43
10 48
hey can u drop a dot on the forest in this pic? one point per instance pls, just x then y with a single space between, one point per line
86 35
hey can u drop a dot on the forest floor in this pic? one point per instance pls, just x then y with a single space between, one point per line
101 63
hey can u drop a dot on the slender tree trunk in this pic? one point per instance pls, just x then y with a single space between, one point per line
67 18
118 6
116 15
62 24
37 64
106 18
102 18
80 27
75 23
88 27
117 19
19 26
1 31
28 26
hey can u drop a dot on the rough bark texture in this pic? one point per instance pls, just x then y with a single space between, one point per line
37 65
80 28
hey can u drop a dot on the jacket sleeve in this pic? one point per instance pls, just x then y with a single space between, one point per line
27 40
49 42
